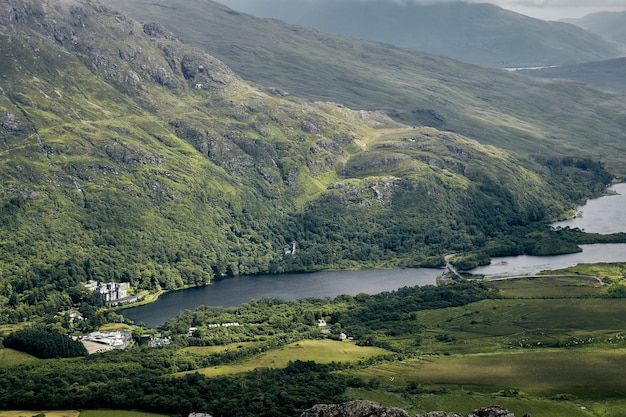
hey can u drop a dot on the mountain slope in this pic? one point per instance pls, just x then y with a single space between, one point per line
129 156
610 25
481 34
492 106
608 75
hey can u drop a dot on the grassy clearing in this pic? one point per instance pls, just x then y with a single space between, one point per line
10 328
10 357
115 327
611 271
210 350
462 401
493 325
320 351
549 286
584 373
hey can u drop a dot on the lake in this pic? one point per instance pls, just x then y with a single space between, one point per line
234 291
524 264
603 215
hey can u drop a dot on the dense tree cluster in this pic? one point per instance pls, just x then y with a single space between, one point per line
44 344
135 380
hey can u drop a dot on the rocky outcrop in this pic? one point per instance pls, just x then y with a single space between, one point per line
353 409
372 409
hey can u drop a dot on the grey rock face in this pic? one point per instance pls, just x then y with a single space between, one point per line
372 409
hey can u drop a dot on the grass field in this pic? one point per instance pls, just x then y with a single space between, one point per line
10 357
551 286
9 328
462 402
209 350
493 325
584 373
320 351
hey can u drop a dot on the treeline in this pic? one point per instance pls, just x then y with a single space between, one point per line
121 381
44 344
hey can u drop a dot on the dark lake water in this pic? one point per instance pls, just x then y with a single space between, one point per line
603 215
234 291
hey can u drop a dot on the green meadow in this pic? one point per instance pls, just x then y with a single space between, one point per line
320 351
10 357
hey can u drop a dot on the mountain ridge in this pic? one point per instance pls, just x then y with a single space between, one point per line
482 34
609 25
495 107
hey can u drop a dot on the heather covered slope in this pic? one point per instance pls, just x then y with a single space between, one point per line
492 106
128 155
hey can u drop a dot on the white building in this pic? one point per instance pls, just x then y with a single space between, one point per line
110 292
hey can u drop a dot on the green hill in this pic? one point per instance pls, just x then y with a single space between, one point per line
489 105
127 155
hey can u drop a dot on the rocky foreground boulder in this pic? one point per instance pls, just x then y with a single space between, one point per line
372 409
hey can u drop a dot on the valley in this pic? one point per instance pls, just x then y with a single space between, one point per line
188 146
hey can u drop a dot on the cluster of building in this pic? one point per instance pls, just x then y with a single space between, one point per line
112 293
160 341
108 340
223 324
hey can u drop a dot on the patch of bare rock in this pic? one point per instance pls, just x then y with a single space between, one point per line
372 409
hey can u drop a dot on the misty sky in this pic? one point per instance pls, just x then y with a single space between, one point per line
542 9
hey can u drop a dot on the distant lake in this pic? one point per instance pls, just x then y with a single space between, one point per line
524 264
234 291
603 215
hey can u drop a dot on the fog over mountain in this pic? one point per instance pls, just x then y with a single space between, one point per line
542 9
483 34
610 25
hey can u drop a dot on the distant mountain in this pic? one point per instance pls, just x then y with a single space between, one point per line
127 155
492 106
481 34
607 75
610 25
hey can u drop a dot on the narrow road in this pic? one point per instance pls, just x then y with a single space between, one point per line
450 274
